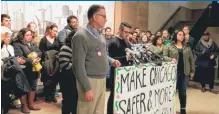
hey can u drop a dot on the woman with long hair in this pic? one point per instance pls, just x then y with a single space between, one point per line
157 46
33 27
144 39
48 43
23 47
180 53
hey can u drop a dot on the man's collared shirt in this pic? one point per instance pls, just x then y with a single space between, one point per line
93 31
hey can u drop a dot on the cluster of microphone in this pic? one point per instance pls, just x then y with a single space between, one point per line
140 54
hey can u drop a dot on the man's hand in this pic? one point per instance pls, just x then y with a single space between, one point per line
191 76
89 96
212 57
116 63
128 57
174 60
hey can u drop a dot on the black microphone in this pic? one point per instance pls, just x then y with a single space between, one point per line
132 54
144 56
156 55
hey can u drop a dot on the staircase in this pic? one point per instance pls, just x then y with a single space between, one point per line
181 16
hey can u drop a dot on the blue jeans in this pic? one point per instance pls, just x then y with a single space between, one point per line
182 84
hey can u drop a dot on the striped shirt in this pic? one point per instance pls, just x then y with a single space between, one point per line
65 58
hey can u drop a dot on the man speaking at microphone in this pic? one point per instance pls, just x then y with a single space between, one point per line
117 51
90 63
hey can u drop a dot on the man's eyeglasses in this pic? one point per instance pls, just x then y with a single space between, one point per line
126 32
104 16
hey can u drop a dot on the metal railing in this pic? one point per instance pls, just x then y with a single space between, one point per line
180 14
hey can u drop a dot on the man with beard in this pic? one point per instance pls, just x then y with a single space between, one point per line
72 26
117 51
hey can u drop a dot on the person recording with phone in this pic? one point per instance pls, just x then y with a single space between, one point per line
117 50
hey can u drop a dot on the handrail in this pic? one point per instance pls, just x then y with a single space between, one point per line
171 17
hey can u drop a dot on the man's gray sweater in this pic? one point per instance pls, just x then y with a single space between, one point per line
89 58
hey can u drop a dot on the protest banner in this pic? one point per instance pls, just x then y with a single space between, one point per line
145 89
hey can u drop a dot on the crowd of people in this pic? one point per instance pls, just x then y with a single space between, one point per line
76 59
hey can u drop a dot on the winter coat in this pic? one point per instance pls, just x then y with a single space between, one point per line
203 51
64 33
171 51
12 70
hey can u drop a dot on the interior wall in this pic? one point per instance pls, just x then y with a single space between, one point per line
135 13
159 12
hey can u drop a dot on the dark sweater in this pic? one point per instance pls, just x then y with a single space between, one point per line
45 45
87 61
117 50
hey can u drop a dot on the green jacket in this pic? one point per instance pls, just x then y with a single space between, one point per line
171 51
156 50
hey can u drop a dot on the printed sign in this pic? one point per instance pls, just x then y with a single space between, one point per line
145 89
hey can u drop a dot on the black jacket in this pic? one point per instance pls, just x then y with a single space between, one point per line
12 70
44 46
203 59
117 48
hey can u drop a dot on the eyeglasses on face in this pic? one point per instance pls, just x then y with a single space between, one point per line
102 15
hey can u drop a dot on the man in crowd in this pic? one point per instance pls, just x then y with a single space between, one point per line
6 20
72 22
117 51
190 40
90 63
108 35
138 37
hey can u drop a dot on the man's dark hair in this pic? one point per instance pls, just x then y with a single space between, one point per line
136 28
124 24
93 9
4 16
71 17
107 28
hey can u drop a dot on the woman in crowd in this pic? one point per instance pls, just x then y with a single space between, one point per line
67 78
23 46
133 40
6 51
144 39
47 43
166 37
32 26
157 46
181 54
206 52
148 33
